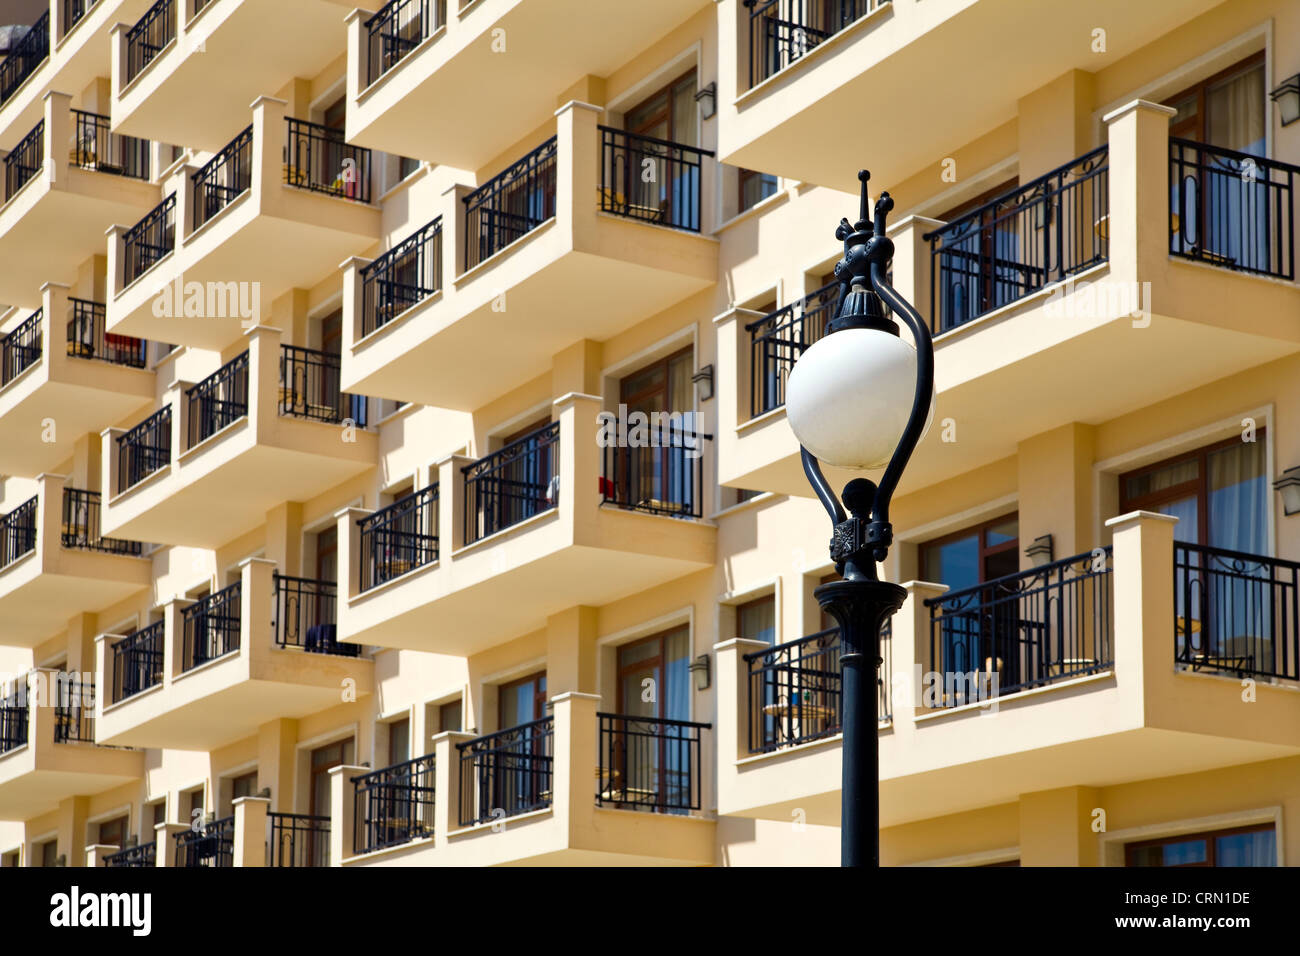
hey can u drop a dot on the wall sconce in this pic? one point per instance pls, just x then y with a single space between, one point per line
264 793
704 379
1040 552
1287 98
702 671
61 860
1289 486
708 100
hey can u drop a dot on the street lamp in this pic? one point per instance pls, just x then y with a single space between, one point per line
861 397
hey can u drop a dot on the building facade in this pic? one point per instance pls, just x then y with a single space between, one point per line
411 484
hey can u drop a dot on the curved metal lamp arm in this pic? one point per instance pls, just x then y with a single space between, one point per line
921 399
813 470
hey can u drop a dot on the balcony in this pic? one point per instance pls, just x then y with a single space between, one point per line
212 845
63 51
47 746
212 671
254 222
576 787
1084 267
268 426
564 216
55 564
423 73
67 369
504 541
1101 666
164 61
64 178
789 69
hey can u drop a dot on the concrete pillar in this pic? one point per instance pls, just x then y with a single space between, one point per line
1056 827
571 663
1143 638
910 653
71 814
1055 123
165 842
447 780
1056 489
343 811
577 168
250 830
96 853
580 461
577 369
349 557
269 138
573 785
276 741
263 344
451 504
1138 221
912 266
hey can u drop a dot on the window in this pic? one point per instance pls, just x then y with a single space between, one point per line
1242 846
399 741
754 187
155 814
985 634
406 166
449 716
668 114
980 262
521 701
192 803
659 478
113 832
245 785
48 853
323 760
653 676
10 859
1226 110
756 620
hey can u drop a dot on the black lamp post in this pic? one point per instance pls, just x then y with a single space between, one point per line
861 397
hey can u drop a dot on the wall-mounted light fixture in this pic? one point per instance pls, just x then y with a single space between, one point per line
700 667
1289 486
704 379
708 100
264 793
1287 98
1041 551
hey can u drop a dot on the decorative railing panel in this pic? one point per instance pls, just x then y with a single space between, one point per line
506 773
511 204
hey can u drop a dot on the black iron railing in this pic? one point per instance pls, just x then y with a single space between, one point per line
297 839
1236 613
25 160
399 538
650 179
511 204
74 708
145 854
309 388
1232 209
794 692
144 449
96 147
223 178
1042 232
21 348
318 159
1023 630
87 338
397 29
663 476
149 240
506 773
73 11
408 273
212 845
779 338
393 805
512 484
28 54
18 532
138 661
306 616
151 33
649 763
218 400
782 31
81 514
13 720
211 627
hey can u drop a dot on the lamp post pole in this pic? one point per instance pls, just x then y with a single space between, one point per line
861 603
